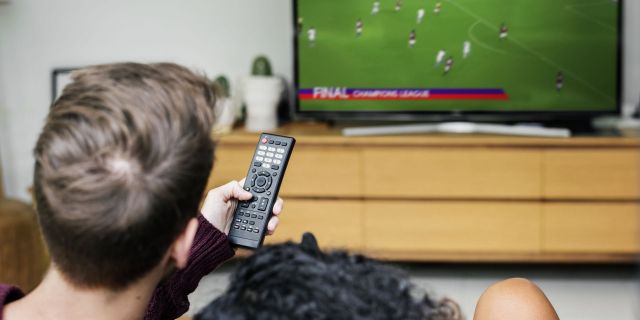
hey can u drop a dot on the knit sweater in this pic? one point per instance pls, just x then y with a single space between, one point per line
210 249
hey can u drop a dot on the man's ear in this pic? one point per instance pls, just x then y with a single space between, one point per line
182 245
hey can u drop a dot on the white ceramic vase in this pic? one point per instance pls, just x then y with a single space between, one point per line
262 95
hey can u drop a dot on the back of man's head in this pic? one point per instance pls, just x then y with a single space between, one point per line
291 281
120 167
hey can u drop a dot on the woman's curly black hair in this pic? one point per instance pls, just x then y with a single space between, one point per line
299 281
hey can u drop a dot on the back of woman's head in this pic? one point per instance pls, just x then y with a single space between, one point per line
299 281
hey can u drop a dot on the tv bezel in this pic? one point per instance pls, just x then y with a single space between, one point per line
457 115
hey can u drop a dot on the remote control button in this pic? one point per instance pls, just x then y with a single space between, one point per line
258 190
269 181
266 165
268 160
271 142
262 147
253 216
260 217
243 228
249 229
259 158
247 188
268 193
235 226
253 179
260 153
264 140
262 206
255 230
263 173
238 220
284 144
270 154
252 222
253 206
244 204
257 164
253 169
279 156
245 221
261 181
272 149
280 150
275 167
273 174
277 143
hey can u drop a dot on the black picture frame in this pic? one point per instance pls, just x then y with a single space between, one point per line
60 77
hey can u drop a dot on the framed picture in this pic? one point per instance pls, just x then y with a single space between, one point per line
60 77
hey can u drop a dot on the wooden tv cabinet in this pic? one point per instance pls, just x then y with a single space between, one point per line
456 198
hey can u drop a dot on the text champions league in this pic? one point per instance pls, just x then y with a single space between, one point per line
342 93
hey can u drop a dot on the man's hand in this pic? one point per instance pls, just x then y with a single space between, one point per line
222 201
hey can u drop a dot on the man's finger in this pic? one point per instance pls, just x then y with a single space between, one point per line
278 206
273 224
233 190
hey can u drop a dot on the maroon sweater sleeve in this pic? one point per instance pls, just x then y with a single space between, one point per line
210 249
8 294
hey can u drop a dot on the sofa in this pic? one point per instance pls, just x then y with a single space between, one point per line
23 257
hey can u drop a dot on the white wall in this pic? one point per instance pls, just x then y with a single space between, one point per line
36 36
631 53
216 36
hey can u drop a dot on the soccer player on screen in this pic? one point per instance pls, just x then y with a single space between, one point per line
466 49
412 38
359 26
440 57
376 8
311 35
437 8
448 65
398 5
503 31
300 25
559 81
420 15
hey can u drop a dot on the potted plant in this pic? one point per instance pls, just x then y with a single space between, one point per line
225 106
262 94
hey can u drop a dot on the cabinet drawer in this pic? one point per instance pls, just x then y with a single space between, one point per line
467 173
592 174
312 171
323 172
591 227
231 163
336 224
452 226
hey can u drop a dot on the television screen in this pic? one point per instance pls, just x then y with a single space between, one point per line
457 56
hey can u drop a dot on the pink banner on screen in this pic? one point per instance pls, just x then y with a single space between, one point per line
341 93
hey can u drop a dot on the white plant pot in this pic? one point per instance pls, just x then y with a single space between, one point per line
262 95
225 115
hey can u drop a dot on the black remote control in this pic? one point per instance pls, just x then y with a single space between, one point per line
263 180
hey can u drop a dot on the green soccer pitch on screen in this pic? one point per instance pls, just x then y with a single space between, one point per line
467 55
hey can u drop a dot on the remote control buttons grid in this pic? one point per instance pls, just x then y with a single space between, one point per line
251 222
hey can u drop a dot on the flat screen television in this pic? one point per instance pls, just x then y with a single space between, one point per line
491 60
